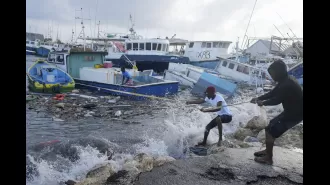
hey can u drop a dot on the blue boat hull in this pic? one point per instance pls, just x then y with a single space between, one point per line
298 73
158 63
132 92
43 52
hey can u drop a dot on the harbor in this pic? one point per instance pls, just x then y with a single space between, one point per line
112 108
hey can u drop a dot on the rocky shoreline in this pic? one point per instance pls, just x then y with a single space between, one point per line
222 166
232 163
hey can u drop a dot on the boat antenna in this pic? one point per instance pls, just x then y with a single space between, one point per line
82 29
98 29
97 2
287 25
248 24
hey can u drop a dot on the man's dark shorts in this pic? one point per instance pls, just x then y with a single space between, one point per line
224 119
281 123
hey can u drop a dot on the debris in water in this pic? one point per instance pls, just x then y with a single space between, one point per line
60 105
118 113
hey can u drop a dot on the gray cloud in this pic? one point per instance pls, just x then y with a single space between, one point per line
215 19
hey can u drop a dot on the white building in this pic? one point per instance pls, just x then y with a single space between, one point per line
262 48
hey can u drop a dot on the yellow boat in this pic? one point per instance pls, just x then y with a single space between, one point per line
45 77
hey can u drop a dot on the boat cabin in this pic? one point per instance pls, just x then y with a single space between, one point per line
78 60
141 47
59 59
206 50
242 72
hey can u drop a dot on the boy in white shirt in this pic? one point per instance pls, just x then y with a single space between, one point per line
219 106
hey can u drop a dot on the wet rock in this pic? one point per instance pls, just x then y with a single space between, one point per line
228 144
75 91
258 122
241 133
293 137
60 105
122 177
158 161
70 182
261 136
118 113
215 149
145 162
250 139
98 175
140 163
243 145
231 167
100 170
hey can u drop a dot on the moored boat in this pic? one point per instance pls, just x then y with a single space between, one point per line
45 77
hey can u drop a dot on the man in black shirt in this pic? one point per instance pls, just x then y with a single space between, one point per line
290 94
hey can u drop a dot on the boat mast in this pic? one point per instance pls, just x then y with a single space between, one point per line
82 29
248 24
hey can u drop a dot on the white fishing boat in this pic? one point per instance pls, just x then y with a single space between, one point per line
124 49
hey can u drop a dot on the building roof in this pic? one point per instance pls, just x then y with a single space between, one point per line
34 36
271 46
213 41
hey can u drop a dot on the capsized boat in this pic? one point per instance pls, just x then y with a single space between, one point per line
45 77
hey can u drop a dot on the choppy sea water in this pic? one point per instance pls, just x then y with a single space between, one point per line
82 144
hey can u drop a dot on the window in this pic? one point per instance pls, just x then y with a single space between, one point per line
51 58
159 47
135 46
191 44
154 46
203 44
166 48
246 70
221 45
141 46
209 45
225 45
59 59
263 74
240 68
163 47
224 63
231 66
32 42
148 46
129 46
89 58
27 42
215 44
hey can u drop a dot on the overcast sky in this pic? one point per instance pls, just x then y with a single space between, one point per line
188 19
